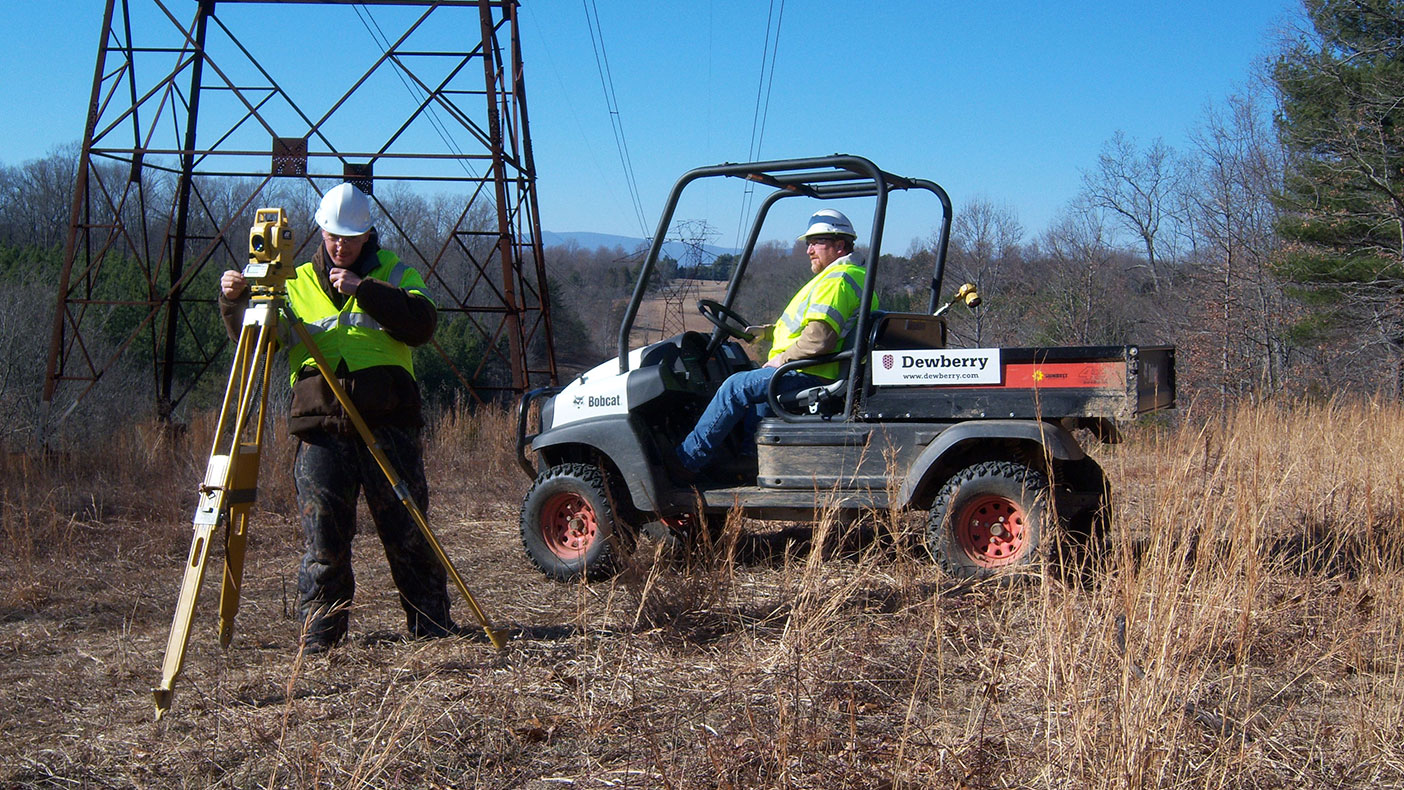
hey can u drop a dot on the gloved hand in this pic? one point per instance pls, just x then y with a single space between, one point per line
762 332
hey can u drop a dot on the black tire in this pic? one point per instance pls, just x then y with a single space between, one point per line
569 527
987 518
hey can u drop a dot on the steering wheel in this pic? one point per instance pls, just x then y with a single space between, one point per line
725 319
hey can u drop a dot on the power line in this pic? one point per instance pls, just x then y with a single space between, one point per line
586 142
612 105
762 109
417 93
769 84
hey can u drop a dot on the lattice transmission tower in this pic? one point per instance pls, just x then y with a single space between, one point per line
680 295
203 111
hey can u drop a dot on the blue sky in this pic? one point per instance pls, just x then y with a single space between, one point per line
1006 102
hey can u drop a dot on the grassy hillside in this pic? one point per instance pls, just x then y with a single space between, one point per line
1246 630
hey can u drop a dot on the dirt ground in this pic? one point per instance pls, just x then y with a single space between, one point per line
760 662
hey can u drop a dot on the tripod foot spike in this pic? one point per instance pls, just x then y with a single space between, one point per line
498 636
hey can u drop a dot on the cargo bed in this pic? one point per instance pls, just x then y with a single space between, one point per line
1113 382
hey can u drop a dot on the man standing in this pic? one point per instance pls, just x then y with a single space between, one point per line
365 309
818 320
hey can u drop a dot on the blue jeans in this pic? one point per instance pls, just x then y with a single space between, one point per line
741 396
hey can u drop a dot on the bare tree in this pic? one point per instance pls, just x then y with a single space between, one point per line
35 198
1233 220
985 239
1082 275
1138 189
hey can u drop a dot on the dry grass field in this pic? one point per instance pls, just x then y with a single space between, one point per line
674 310
1245 630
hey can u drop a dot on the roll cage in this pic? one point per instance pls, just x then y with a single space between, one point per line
823 178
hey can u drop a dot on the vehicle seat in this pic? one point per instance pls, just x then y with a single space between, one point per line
890 331
825 400
908 331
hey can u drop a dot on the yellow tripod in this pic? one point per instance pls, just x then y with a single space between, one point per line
231 476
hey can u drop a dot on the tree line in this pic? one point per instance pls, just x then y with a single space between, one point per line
1269 250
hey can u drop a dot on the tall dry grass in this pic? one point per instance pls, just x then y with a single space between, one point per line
1244 630
1257 578
122 492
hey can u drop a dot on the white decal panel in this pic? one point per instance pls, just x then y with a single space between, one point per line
598 392
935 367
582 404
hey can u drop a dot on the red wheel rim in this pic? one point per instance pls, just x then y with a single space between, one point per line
568 525
992 531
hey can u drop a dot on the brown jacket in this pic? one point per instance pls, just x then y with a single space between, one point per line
385 394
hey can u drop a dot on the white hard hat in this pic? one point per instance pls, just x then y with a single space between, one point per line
345 211
828 222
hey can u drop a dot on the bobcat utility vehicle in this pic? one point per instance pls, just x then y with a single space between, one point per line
979 438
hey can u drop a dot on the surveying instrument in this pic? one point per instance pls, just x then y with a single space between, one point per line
231 476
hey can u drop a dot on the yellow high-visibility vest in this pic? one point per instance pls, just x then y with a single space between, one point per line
349 335
832 296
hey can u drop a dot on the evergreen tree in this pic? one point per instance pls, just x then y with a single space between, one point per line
1341 88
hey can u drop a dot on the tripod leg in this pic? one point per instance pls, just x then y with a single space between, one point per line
236 538
240 499
189 593
243 477
230 476
496 636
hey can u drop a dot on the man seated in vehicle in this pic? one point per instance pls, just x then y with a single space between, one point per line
818 320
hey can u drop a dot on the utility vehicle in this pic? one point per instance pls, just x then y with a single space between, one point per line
982 439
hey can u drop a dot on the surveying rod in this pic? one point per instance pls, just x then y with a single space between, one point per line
229 489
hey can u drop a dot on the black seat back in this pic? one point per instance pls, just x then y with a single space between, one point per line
908 331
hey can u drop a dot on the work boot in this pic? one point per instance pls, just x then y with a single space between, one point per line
315 646
430 620
321 633
676 469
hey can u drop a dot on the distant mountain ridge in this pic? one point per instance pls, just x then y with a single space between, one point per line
587 240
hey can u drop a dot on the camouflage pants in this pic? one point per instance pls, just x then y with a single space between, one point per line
330 472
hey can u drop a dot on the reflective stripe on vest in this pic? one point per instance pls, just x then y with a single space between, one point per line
396 275
833 296
349 335
792 320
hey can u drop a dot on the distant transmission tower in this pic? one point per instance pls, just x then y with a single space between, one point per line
680 295
193 124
